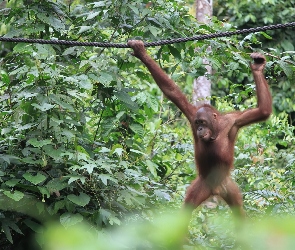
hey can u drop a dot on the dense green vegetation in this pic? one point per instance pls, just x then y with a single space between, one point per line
86 135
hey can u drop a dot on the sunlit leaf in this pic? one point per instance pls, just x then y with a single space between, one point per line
35 179
15 195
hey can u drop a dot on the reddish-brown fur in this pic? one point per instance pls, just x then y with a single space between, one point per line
214 133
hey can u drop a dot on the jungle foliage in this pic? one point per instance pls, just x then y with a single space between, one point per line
86 135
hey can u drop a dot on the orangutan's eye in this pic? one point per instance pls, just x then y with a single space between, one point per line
200 122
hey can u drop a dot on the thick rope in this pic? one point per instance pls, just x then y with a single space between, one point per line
150 44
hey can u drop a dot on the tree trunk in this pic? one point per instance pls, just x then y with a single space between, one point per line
3 5
202 85
204 9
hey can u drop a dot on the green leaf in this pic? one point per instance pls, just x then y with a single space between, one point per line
26 126
265 35
69 219
81 200
286 68
35 179
174 52
127 196
152 167
56 184
75 178
7 232
27 95
23 47
126 98
154 22
34 29
287 45
137 128
92 15
135 10
57 206
38 144
84 28
107 216
70 51
12 182
77 94
105 78
84 82
8 158
43 107
53 152
155 31
4 77
118 149
105 177
13 226
153 102
163 195
33 225
15 195
57 99
44 191
114 220
145 98
6 225
97 4
51 21
44 51
89 167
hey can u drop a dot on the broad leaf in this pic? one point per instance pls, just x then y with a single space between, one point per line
43 106
35 179
105 78
38 144
15 195
69 219
81 200
12 182
152 167
75 178
105 177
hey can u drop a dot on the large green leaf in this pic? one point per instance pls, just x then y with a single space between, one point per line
56 184
105 78
82 199
52 21
69 219
35 179
12 182
138 129
287 68
84 82
76 178
152 167
38 143
15 195
105 177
